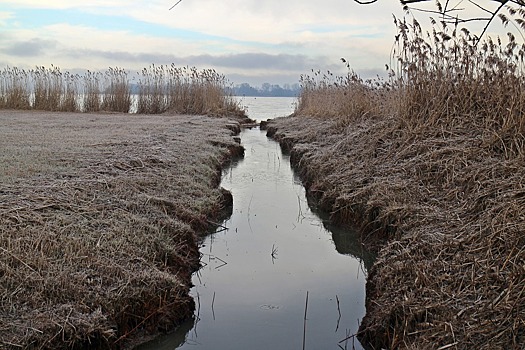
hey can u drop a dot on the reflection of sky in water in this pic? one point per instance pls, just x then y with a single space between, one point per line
262 108
258 302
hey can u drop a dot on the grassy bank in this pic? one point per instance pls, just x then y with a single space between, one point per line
429 163
99 222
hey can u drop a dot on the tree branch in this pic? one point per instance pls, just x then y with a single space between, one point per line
447 17
365 2
503 3
178 2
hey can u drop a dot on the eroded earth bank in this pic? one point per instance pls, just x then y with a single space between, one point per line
99 222
445 210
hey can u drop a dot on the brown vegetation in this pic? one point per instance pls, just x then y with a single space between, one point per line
99 223
161 89
430 164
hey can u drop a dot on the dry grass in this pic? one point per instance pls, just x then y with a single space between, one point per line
161 89
184 90
432 169
99 216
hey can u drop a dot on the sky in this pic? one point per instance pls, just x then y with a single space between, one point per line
264 41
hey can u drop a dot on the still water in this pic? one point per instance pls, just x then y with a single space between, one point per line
262 108
269 256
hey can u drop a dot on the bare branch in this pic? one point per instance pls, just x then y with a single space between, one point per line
447 16
479 6
404 2
178 2
503 3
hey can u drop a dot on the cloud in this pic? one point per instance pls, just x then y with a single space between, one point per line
30 48
260 61
64 4
4 17
241 61
246 39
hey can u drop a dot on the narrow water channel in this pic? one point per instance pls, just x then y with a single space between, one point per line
269 256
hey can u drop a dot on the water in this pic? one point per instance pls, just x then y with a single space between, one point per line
262 108
251 292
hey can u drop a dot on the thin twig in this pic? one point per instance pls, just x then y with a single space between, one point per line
178 2
212 303
304 321
339 311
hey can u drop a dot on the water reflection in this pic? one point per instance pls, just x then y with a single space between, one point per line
346 239
250 293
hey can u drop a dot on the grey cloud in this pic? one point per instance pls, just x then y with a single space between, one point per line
29 48
240 61
257 61
254 68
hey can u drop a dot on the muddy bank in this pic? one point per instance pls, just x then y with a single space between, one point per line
444 210
100 216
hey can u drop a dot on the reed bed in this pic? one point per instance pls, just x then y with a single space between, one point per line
429 163
100 218
183 90
160 89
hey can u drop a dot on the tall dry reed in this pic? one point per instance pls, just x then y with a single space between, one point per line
117 93
48 88
451 80
432 169
443 78
181 90
15 89
184 90
92 101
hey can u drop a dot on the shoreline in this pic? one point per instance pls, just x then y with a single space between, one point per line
100 220
446 275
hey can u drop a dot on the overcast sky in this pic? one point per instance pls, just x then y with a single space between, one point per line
249 41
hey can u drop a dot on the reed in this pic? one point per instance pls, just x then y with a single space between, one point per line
14 90
429 164
441 78
184 90
152 96
70 94
49 87
325 94
161 89
117 93
92 92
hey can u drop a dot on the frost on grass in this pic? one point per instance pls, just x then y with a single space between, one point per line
99 216
429 163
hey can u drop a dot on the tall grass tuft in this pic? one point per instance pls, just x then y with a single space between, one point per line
117 96
15 89
48 88
92 101
184 90
440 79
152 97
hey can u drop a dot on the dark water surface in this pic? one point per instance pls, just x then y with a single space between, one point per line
251 292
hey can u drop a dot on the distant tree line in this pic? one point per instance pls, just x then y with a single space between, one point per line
266 89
